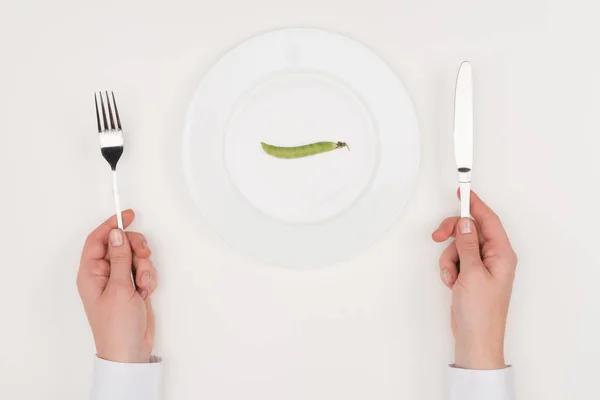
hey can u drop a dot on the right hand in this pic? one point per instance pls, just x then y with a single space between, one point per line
119 314
479 267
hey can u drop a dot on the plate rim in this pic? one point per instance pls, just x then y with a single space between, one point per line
369 240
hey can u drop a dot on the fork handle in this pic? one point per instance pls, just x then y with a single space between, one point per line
117 201
119 216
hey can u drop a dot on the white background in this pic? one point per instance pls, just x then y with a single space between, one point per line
375 327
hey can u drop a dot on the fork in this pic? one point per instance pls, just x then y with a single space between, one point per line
111 141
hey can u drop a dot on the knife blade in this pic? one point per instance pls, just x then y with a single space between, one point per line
463 135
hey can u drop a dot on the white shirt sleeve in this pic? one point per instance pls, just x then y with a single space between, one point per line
466 384
119 381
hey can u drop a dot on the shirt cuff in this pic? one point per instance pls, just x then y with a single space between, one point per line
466 384
120 381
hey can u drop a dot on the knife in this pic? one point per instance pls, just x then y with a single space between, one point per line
463 135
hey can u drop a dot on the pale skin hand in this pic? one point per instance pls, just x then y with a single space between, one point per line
119 314
481 291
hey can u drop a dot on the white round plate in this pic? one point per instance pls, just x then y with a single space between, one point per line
287 88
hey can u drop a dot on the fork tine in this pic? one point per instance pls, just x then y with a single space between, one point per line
116 111
97 113
110 114
103 112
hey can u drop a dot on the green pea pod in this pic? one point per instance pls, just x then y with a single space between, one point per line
302 151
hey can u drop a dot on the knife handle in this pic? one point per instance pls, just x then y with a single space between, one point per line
465 199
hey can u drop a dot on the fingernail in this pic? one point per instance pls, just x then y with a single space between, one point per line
144 294
465 225
446 276
145 278
145 244
116 237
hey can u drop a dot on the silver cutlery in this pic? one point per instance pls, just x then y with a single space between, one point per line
111 139
463 135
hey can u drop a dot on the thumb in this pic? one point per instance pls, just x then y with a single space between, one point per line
120 257
467 244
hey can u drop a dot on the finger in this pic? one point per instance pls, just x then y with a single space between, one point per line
139 244
95 244
120 258
145 275
149 291
446 230
91 280
467 244
150 319
490 224
449 265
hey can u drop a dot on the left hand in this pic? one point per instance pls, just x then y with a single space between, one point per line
120 314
